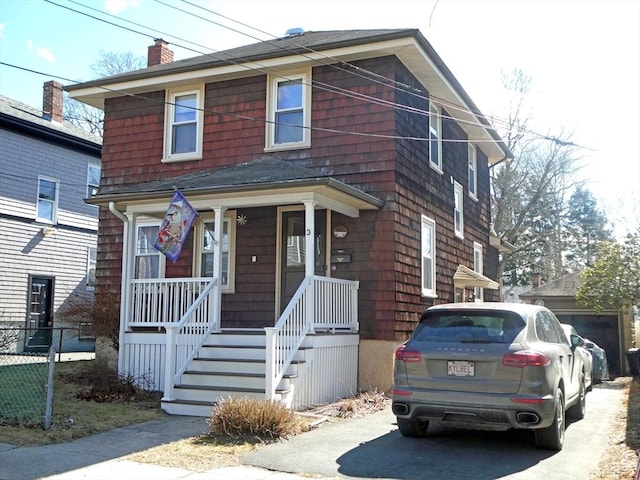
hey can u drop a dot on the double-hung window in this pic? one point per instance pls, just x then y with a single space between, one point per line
206 251
149 262
478 267
184 123
93 180
428 255
289 107
458 210
435 137
47 206
473 171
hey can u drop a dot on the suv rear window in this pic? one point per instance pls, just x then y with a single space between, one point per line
469 326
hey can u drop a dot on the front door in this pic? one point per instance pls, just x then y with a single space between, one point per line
40 315
293 251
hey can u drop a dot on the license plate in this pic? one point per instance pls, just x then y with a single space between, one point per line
461 368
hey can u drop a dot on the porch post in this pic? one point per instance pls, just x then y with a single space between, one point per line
218 212
309 260
128 254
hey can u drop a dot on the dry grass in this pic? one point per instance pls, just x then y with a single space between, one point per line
620 461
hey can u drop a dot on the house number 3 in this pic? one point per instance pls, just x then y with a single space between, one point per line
308 231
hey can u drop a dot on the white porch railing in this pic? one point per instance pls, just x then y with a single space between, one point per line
334 307
160 301
185 337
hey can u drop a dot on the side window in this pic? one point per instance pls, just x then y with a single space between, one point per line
547 328
288 111
183 125
458 210
478 267
205 251
149 262
93 180
428 271
91 267
435 137
473 171
47 202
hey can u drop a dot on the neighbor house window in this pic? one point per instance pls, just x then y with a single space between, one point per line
435 137
149 262
47 207
473 171
478 267
206 251
458 210
91 267
93 180
184 119
289 111
428 275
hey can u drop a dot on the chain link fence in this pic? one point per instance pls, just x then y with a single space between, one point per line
27 361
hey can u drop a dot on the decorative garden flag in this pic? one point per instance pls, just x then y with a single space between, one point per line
175 227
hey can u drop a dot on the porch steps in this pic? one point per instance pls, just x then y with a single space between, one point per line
230 364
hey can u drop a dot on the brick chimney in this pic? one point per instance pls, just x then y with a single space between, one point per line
159 53
52 101
536 278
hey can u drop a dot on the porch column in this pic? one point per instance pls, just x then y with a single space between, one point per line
218 212
129 242
309 260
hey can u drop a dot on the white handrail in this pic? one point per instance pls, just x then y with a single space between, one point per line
185 337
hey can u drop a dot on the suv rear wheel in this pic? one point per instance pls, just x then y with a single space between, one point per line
577 411
552 437
412 428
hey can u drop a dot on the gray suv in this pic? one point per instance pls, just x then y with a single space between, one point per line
489 366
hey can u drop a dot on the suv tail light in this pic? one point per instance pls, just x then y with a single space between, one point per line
408 355
525 358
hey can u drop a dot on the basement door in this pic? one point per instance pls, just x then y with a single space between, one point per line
293 252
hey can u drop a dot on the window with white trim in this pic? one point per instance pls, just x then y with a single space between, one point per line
458 210
148 262
435 137
47 203
478 267
93 180
473 171
183 124
92 253
289 111
428 255
205 250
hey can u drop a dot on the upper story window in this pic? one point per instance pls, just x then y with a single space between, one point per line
289 111
458 210
205 250
473 171
47 208
149 262
435 137
478 267
93 180
183 125
428 270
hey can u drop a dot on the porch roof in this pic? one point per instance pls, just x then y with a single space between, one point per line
467 278
263 181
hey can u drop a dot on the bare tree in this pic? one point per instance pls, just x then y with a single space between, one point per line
109 63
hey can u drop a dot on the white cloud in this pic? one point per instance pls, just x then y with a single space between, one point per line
116 6
42 52
1 30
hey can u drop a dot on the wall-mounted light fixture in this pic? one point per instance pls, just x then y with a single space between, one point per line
48 231
340 231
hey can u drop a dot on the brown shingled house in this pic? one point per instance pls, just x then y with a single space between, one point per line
342 184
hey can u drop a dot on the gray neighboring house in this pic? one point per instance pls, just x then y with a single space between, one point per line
49 234
610 329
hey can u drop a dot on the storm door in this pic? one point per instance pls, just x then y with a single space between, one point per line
40 314
293 251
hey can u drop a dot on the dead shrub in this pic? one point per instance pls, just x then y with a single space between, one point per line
246 417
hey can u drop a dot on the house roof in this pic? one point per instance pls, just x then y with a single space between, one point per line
337 48
264 181
566 286
21 117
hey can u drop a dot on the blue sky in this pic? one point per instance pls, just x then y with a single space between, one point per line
583 56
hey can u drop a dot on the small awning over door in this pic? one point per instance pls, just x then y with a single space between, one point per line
467 278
